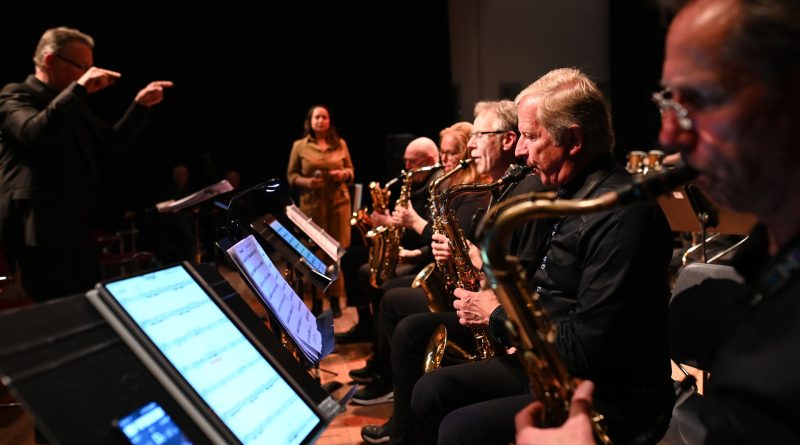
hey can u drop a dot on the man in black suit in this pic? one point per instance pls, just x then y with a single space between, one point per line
48 172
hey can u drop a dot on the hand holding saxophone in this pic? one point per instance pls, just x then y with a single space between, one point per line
474 308
440 247
409 256
380 219
577 430
409 218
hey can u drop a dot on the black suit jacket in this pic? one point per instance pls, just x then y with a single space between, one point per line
48 170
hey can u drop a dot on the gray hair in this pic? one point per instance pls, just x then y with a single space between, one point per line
505 113
54 40
569 97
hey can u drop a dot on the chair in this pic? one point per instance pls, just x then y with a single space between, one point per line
685 427
118 254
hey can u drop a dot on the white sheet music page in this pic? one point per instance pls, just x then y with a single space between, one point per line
325 242
293 315
209 192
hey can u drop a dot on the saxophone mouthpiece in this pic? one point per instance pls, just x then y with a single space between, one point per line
516 173
650 187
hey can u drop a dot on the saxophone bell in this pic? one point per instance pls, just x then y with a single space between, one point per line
438 345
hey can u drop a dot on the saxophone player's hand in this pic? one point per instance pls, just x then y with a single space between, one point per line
409 218
409 256
577 430
475 255
380 219
474 308
440 247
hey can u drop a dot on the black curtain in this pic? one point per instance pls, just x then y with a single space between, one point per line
637 52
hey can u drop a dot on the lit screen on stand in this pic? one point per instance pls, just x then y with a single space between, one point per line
231 376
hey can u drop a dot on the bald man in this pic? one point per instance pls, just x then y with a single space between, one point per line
420 152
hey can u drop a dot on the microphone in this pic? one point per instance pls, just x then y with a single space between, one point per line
317 174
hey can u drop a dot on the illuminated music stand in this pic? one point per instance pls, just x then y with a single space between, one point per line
291 244
75 375
276 296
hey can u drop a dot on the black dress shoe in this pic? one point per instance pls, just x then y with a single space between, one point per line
377 433
366 374
374 393
356 334
331 386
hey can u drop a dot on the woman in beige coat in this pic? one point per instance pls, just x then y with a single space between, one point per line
320 169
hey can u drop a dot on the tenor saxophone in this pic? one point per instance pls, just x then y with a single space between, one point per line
528 325
466 277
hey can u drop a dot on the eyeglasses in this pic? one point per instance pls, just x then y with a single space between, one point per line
479 134
666 104
72 62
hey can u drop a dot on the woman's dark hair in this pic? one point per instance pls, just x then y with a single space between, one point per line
332 137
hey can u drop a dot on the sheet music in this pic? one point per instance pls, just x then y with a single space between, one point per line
214 357
209 192
325 242
293 315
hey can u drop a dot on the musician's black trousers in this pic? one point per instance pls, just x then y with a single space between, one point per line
409 341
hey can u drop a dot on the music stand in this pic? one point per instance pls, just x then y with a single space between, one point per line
192 202
282 303
682 217
283 238
688 210
75 375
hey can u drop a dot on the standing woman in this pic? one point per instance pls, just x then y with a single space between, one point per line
320 168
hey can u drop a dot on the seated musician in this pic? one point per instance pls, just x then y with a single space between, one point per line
602 278
491 145
745 55
377 375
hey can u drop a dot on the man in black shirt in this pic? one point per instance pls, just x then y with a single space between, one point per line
602 278
49 143
730 108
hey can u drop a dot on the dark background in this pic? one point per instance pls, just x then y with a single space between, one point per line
243 83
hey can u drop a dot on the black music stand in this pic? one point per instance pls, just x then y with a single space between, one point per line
688 210
324 321
75 376
192 203
683 217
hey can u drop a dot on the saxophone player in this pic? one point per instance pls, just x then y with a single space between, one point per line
404 315
732 113
419 153
377 375
602 278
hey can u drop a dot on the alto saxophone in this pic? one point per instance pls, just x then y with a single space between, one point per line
528 325
466 275
383 264
437 279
